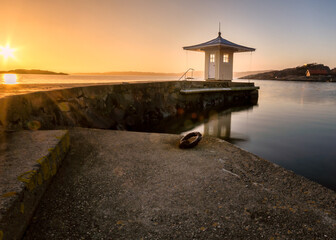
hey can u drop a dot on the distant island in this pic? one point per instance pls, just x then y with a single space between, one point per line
309 72
32 71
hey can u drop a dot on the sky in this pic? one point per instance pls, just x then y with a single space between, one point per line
148 35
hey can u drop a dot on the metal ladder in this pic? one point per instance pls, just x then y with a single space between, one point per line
185 74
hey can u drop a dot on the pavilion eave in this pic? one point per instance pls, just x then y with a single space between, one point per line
219 43
219 46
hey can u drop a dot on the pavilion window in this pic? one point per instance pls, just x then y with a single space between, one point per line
225 57
212 57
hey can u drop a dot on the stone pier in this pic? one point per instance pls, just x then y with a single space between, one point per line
129 106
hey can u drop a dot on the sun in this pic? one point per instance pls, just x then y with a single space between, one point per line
7 52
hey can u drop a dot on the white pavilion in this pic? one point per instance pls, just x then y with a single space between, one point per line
219 57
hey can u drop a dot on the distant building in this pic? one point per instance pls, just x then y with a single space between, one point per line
311 72
333 71
219 57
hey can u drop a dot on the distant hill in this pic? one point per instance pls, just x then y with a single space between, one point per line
317 72
247 73
32 71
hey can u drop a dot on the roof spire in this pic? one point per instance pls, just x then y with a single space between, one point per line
219 32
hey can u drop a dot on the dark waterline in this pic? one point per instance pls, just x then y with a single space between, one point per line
293 125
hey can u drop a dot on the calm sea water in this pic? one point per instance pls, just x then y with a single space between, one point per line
83 79
293 125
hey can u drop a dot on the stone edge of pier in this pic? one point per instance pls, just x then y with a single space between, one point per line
17 207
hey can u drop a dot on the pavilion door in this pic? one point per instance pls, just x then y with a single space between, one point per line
212 64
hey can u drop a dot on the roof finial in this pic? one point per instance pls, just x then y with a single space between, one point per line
219 32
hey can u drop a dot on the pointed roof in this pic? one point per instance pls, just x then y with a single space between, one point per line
219 42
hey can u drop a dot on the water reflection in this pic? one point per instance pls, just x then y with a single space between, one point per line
9 78
294 126
218 124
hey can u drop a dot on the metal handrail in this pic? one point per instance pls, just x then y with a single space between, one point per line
184 74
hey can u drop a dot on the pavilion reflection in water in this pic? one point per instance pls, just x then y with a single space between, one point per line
218 124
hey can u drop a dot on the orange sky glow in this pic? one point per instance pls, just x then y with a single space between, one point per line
131 35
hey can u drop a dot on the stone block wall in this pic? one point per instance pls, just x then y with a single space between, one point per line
118 106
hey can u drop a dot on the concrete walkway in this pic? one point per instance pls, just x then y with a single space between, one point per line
129 185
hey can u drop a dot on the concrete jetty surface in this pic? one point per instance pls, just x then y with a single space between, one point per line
130 185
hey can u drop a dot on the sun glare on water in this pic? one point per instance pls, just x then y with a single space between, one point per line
9 78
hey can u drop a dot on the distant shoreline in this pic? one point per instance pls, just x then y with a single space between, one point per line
134 73
312 72
196 74
32 71
129 73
